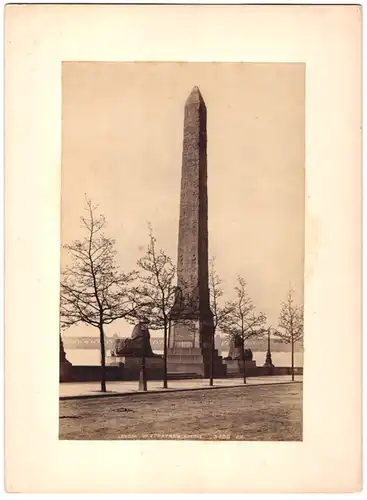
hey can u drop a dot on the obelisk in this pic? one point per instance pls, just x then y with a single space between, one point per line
192 319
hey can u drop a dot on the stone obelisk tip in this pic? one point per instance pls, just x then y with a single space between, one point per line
195 95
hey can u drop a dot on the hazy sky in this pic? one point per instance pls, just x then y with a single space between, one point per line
122 145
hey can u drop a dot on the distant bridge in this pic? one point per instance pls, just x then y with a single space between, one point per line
93 342
221 343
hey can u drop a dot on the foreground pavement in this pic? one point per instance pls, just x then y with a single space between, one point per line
262 412
79 390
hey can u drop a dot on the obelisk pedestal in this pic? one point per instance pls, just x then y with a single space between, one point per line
191 318
66 368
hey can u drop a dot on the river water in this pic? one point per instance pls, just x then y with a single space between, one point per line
92 357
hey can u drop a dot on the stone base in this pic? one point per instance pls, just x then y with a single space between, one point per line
66 371
192 333
269 368
186 335
131 366
236 366
268 365
194 360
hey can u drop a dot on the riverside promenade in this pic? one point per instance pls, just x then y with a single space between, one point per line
76 390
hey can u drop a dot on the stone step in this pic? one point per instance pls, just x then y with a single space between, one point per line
183 376
198 368
189 358
185 358
184 350
191 350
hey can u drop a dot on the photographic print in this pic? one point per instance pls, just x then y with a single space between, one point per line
182 260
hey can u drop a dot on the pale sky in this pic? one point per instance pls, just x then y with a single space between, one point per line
122 145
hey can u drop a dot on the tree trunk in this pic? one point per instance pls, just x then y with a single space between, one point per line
165 374
103 359
292 360
244 362
169 333
143 374
212 352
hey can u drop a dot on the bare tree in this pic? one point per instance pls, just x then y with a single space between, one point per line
221 312
290 324
243 322
156 292
93 289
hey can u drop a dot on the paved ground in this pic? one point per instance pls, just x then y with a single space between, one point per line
76 389
252 413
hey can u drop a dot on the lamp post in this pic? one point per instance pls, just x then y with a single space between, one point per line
268 361
143 370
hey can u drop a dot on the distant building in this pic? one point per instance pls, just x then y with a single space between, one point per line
221 343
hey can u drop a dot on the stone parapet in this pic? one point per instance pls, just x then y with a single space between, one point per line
236 366
131 366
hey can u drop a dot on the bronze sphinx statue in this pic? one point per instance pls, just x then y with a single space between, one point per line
236 350
137 345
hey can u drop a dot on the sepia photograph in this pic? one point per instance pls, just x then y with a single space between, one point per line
182 259
183 248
